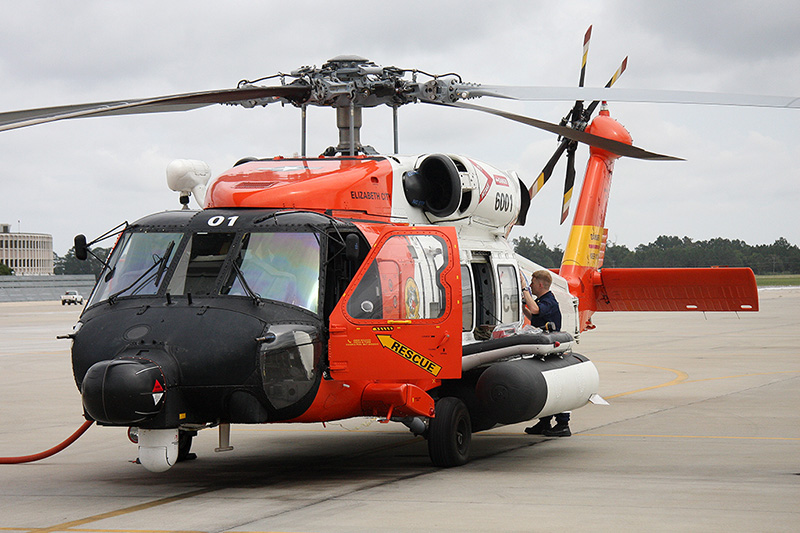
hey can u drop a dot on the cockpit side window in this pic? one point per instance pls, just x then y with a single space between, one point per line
403 282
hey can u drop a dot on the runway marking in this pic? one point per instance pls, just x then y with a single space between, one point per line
683 377
683 436
119 512
680 377
746 375
632 435
57 352
72 525
106 530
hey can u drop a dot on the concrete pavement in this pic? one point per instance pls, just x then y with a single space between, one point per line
702 434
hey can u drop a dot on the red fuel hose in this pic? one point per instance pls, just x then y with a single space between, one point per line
47 453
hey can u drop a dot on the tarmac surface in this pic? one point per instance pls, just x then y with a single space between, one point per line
702 434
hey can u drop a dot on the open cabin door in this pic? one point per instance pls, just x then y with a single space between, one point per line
400 317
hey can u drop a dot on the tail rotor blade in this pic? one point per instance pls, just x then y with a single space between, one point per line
547 171
590 109
586 39
569 183
574 115
618 73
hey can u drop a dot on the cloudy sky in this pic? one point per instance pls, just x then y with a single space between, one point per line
740 180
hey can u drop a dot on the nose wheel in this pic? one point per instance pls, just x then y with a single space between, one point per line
450 433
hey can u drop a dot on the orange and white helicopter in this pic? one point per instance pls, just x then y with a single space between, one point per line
310 289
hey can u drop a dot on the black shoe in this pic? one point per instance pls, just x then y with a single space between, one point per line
539 428
559 430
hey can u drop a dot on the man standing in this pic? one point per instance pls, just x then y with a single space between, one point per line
541 307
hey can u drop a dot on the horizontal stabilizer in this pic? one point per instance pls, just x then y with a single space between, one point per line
676 289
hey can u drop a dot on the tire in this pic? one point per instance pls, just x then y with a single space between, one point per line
450 433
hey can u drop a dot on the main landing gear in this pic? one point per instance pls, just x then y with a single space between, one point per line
450 433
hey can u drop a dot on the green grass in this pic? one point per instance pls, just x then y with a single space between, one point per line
778 280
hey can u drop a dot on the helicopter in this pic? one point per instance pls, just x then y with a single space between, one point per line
352 284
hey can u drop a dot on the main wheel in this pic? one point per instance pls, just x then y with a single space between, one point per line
450 433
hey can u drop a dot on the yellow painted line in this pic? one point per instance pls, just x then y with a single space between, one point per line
683 377
315 430
682 436
746 375
631 435
119 512
680 377
71 526
25 354
83 530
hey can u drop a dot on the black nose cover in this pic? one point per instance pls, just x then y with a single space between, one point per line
123 391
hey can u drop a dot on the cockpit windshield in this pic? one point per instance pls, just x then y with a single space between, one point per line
137 266
279 266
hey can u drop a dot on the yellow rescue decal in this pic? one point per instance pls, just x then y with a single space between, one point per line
383 328
412 355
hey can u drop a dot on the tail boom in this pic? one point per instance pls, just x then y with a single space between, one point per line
637 289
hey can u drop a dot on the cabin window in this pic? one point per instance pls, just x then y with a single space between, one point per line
484 295
467 312
509 294
403 281
138 265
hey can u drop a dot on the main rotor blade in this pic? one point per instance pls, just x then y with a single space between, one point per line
160 104
557 94
616 147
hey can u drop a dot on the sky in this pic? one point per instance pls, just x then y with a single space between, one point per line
740 179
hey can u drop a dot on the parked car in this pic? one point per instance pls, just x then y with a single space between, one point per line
71 297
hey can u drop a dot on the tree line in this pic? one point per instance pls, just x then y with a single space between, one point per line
69 264
780 257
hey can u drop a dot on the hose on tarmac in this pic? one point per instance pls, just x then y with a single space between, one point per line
47 453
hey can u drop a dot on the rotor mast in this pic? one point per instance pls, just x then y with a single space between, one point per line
349 83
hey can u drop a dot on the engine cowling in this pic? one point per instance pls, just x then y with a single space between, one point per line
434 186
456 189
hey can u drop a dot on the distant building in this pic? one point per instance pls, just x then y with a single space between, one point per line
27 254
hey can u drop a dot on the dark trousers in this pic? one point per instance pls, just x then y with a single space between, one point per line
561 418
